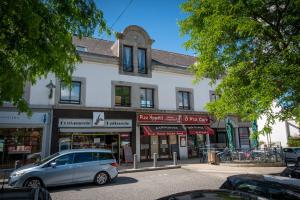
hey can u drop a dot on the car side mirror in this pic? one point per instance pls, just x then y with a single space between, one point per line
53 164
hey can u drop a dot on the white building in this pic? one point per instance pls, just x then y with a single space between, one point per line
129 97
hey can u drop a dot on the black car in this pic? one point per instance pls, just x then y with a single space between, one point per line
271 187
211 194
292 171
24 194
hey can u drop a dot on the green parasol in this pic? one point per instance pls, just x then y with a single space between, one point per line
230 133
254 135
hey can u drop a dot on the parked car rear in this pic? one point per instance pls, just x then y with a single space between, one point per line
291 154
67 167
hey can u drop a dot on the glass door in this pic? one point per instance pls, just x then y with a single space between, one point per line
164 151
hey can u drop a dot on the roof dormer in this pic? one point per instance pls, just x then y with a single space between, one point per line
133 47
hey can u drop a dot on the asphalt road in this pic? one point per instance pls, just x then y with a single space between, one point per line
142 185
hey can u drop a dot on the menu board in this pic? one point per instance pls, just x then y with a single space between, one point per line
128 154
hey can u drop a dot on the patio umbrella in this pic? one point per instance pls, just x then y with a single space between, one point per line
229 130
254 135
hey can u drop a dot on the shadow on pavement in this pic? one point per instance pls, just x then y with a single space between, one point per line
118 181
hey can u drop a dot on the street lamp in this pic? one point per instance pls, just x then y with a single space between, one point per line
50 86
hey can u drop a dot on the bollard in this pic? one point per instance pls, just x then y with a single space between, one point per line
134 161
154 160
174 158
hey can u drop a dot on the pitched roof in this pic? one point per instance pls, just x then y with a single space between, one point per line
103 47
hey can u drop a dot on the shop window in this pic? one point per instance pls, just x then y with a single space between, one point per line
70 95
244 137
142 66
127 59
184 100
20 144
147 98
83 157
122 96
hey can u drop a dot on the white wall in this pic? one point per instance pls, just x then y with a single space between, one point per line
39 92
98 86
278 135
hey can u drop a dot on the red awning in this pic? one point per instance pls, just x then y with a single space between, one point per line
163 130
193 130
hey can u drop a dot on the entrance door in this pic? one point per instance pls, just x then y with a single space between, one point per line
196 143
154 145
164 151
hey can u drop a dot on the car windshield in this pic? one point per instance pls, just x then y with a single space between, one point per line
46 159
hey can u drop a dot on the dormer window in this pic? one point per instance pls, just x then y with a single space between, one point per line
142 67
127 59
81 48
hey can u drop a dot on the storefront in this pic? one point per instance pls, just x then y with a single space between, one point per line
167 133
79 129
22 138
241 136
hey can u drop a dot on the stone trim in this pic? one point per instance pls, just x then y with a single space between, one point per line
191 98
141 40
82 80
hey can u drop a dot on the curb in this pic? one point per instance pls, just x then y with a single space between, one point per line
125 171
252 164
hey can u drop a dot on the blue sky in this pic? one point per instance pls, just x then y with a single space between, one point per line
158 17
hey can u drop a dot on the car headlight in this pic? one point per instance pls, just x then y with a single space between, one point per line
18 173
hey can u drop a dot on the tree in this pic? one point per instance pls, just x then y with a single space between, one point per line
36 39
250 50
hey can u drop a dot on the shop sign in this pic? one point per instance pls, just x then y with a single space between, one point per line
118 123
159 118
70 123
19 149
98 118
22 118
195 119
172 119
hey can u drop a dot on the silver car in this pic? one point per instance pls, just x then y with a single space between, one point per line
67 167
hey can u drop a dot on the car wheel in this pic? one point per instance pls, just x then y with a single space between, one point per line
101 178
33 183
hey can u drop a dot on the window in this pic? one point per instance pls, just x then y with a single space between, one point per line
122 96
102 156
127 59
147 100
65 159
183 100
142 67
70 95
214 96
83 157
81 48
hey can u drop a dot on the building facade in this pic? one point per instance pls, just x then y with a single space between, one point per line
130 98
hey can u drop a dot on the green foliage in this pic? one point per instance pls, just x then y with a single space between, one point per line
293 142
253 45
36 39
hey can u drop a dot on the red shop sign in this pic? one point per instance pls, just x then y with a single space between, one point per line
172 119
195 119
160 118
